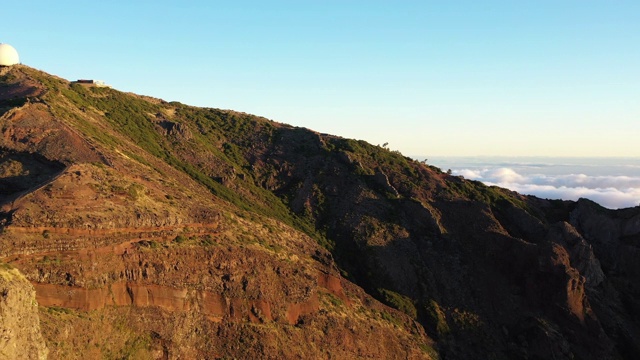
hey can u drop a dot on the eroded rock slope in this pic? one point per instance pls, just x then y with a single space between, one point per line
132 254
159 230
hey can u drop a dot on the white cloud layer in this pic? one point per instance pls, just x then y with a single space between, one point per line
610 191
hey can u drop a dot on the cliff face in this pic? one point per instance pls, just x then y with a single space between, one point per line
20 336
485 270
158 230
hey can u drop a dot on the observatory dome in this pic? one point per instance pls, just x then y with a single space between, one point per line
8 55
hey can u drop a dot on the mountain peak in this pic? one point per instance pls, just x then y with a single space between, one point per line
212 233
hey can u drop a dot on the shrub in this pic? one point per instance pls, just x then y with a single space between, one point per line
179 239
437 318
398 301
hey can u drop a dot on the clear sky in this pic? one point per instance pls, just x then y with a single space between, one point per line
543 77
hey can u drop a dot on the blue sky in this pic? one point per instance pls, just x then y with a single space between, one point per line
513 78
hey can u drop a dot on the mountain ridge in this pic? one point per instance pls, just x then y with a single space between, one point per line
96 179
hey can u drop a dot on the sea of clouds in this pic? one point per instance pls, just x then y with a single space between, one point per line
613 183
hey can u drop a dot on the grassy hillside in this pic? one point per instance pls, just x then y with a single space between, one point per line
147 229
479 267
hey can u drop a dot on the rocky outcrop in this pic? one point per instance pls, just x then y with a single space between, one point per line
20 336
580 252
177 131
614 237
382 181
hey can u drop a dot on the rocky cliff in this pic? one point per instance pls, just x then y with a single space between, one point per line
20 336
158 230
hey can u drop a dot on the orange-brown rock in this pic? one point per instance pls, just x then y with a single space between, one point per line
20 335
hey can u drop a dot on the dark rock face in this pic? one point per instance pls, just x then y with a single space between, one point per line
512 276
616 300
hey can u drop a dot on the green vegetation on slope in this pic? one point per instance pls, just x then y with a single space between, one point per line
223 134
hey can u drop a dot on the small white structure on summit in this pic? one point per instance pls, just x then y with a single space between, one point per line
8 55
96 83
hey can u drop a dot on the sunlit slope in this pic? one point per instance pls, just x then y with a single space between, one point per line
136 242
480 268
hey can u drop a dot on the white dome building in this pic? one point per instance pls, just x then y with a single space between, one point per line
8 55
